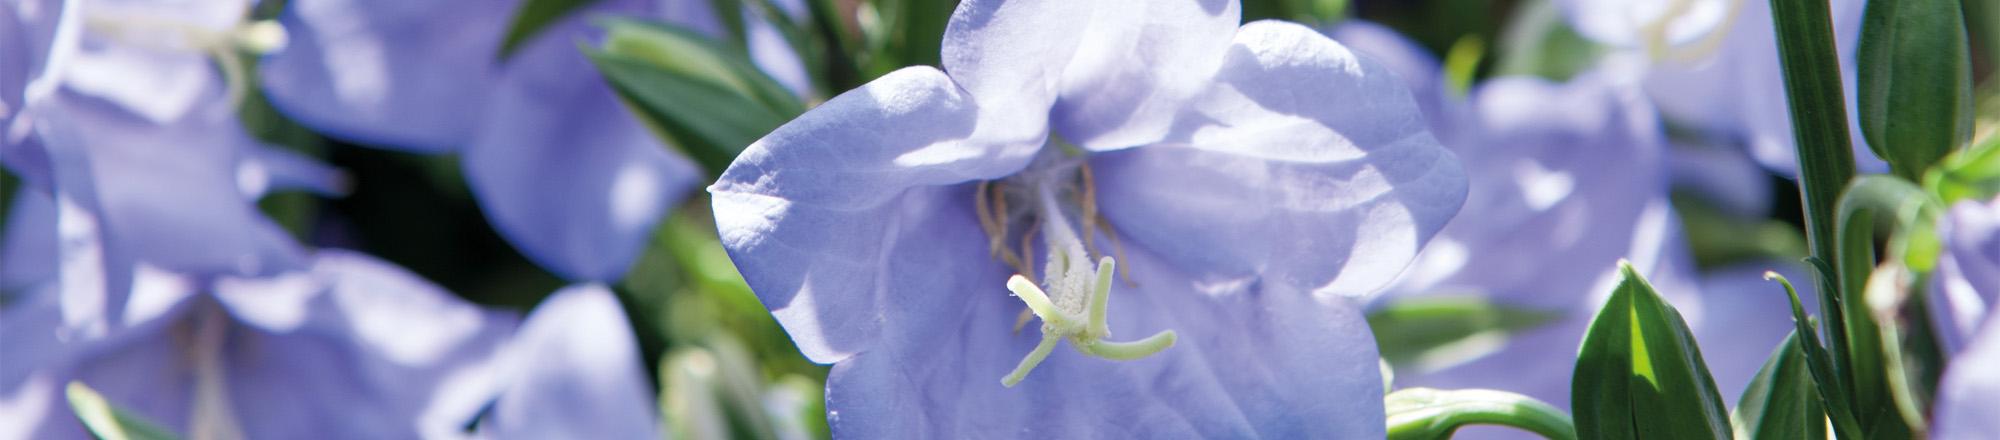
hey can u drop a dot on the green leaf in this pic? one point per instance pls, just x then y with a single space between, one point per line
704 96
533 17
1972 173
1826 380
1915 94
108 422
1426 414
1639 373
1415 332
1781 403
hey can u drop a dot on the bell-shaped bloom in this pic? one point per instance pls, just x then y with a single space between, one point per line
573 371
351 347
130 118
1246 181
560 167
1734 93
1570 180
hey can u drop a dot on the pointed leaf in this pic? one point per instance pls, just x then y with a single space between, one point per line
532 17
705 97
1915 82
1639 373
1781 403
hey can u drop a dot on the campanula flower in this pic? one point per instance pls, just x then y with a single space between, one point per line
1187 204
351 347
128 114
1570 180
560 167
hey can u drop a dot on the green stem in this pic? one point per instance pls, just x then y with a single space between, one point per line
1423 413
1879 402
1819 126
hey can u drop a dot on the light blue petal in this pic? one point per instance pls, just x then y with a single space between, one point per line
1253 360
1628 23
1969 394
1968 274
564 171
576 373
166 193
410 75
1737 96
1570 180
1407 59
1115 73
1304 165
812 214
28 247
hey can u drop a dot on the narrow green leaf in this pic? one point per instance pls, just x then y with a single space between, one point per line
1972 173
108 422
1639 373
1428 414
1781 403
1415 332
1915 76
1832 391
1819 127
705 97
533 17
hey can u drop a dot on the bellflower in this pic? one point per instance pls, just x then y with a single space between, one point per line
560 167
350 347
1233 186
1571 180
128 113
1968 280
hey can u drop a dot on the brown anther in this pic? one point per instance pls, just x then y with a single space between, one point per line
992 213
1088 199
1118 252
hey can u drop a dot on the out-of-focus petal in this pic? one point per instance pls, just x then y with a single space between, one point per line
1969 393
1968 274
775 56
1116 73
575 373
389 73
1235 372
1267 180
1632 22
564 171
267 169
357 348
1726 177
167 192
1570 180
1739 94
816 213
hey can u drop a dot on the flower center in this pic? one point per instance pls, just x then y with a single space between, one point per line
1659 44
1072 298
231 48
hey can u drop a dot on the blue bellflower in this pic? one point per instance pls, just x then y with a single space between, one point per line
1129 169
560 167
130 118
1968 280
350 347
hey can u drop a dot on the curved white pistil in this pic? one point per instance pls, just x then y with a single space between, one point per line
1080 295
227 47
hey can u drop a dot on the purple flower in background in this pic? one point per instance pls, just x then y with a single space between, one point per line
1246 182
130 119
559 166
1655 25
573 371
350 347
1968 280
1570 180
1735 92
